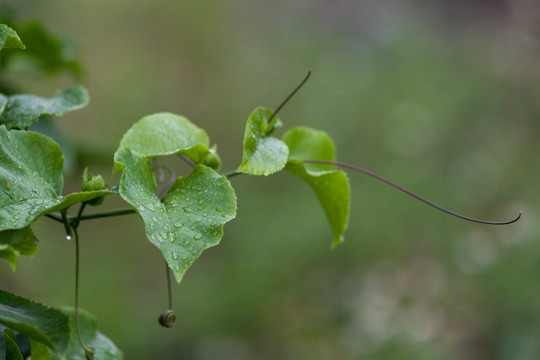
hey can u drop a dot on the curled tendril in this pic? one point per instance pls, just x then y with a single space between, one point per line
167 319
160 177
389 182
89 352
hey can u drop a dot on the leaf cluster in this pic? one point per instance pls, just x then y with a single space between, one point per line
182 217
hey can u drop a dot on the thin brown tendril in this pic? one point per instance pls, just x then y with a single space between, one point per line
389 182
274 114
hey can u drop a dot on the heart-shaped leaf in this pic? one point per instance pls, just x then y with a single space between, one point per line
331 186
24 110
263 154
190 217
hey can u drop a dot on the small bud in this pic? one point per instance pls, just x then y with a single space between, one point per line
93 183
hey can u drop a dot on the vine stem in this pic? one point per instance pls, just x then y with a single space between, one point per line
399 187
96 215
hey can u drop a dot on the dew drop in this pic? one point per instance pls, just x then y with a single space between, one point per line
68 237
199 219
197 236
187 242
188 210
150 207
200 202
178 225
175 256
218 209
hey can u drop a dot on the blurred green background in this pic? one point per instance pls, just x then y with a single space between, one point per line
441 96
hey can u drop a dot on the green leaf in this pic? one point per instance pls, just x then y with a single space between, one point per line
105 348
263 154
39 351
9 38
331 186
12 349
38 322
17 242
31 179
166 134
24 110
44 52
191 216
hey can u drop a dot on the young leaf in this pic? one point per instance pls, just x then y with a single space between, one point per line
331 186
166 134
263 154
93 183
9 38
24 110
31 179
37 321
191 216
17 242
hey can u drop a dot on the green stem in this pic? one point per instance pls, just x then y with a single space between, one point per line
230 174
96 215
65 221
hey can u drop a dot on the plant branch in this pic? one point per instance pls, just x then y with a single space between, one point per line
96 215
399 187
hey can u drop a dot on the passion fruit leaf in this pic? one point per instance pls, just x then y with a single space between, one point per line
39 351
191 216
9 38
24 110
262 154
38 322
31 179
166 134
105 349
17 242
331 186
